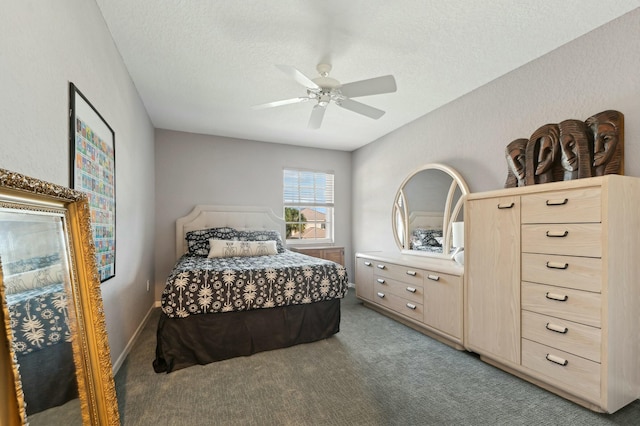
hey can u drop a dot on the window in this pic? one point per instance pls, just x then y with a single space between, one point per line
308 206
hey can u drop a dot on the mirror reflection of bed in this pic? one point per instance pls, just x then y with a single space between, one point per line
35 273
425 231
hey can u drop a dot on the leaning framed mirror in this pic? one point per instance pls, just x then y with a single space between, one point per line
427 210
55 364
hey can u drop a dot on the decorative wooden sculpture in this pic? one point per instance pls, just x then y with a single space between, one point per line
573 149
607 128
516 162
576 149
543 153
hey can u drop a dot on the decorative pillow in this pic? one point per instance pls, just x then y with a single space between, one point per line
36 278
26 265
261 235
198 241
233 248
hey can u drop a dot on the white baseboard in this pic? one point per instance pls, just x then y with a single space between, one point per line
132 341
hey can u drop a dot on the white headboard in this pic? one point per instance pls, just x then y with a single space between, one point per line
427 220
238 217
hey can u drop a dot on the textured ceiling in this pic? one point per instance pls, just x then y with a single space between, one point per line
199 66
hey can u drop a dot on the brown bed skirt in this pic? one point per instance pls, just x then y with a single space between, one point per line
206 338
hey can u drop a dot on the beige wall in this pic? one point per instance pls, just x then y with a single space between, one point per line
596 72
44 45
199 169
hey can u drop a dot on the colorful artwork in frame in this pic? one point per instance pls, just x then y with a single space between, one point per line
93 172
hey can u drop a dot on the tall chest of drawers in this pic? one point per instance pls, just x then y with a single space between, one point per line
423 293
569 298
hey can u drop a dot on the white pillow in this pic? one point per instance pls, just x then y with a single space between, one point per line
232 248
33 279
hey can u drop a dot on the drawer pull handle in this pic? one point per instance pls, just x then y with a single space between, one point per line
381 266
557 202
433 277
380 280
411 289
557 234
381 295
412 273
556 328
558 297
367 263
506 206
557 360
557 265
411 306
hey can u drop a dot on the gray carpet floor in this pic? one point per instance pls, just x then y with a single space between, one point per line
375 371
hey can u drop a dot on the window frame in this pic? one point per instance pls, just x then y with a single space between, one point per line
303 201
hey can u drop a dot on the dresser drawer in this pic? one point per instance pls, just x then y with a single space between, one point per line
413 293
364 278
582 273
573 239
399 272
399 305
577 375
577 339
583 307
571 206
443 304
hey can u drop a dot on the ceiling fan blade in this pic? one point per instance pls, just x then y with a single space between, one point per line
372 86
297 76
280 103
361 108
317 114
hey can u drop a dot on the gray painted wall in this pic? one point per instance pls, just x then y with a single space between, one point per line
43 46
199 169
596 72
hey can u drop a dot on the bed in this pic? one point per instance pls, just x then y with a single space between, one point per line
37 303
236 290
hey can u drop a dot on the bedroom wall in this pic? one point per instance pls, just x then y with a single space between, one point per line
199 169
593 73
43 46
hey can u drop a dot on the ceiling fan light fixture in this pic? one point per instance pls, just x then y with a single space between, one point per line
325 89
324 99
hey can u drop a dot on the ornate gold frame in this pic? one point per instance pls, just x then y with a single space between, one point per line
90 344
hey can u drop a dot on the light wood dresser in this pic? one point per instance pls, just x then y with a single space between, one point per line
552 286
421 292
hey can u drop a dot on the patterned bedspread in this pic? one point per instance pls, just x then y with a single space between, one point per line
38 318
200 285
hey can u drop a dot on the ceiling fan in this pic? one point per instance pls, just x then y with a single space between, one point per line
325 89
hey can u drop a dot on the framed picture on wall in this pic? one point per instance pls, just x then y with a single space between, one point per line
93 171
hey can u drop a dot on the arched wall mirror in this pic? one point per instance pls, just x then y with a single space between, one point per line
55 365
428 203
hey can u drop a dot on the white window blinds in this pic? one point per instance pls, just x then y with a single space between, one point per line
308 188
